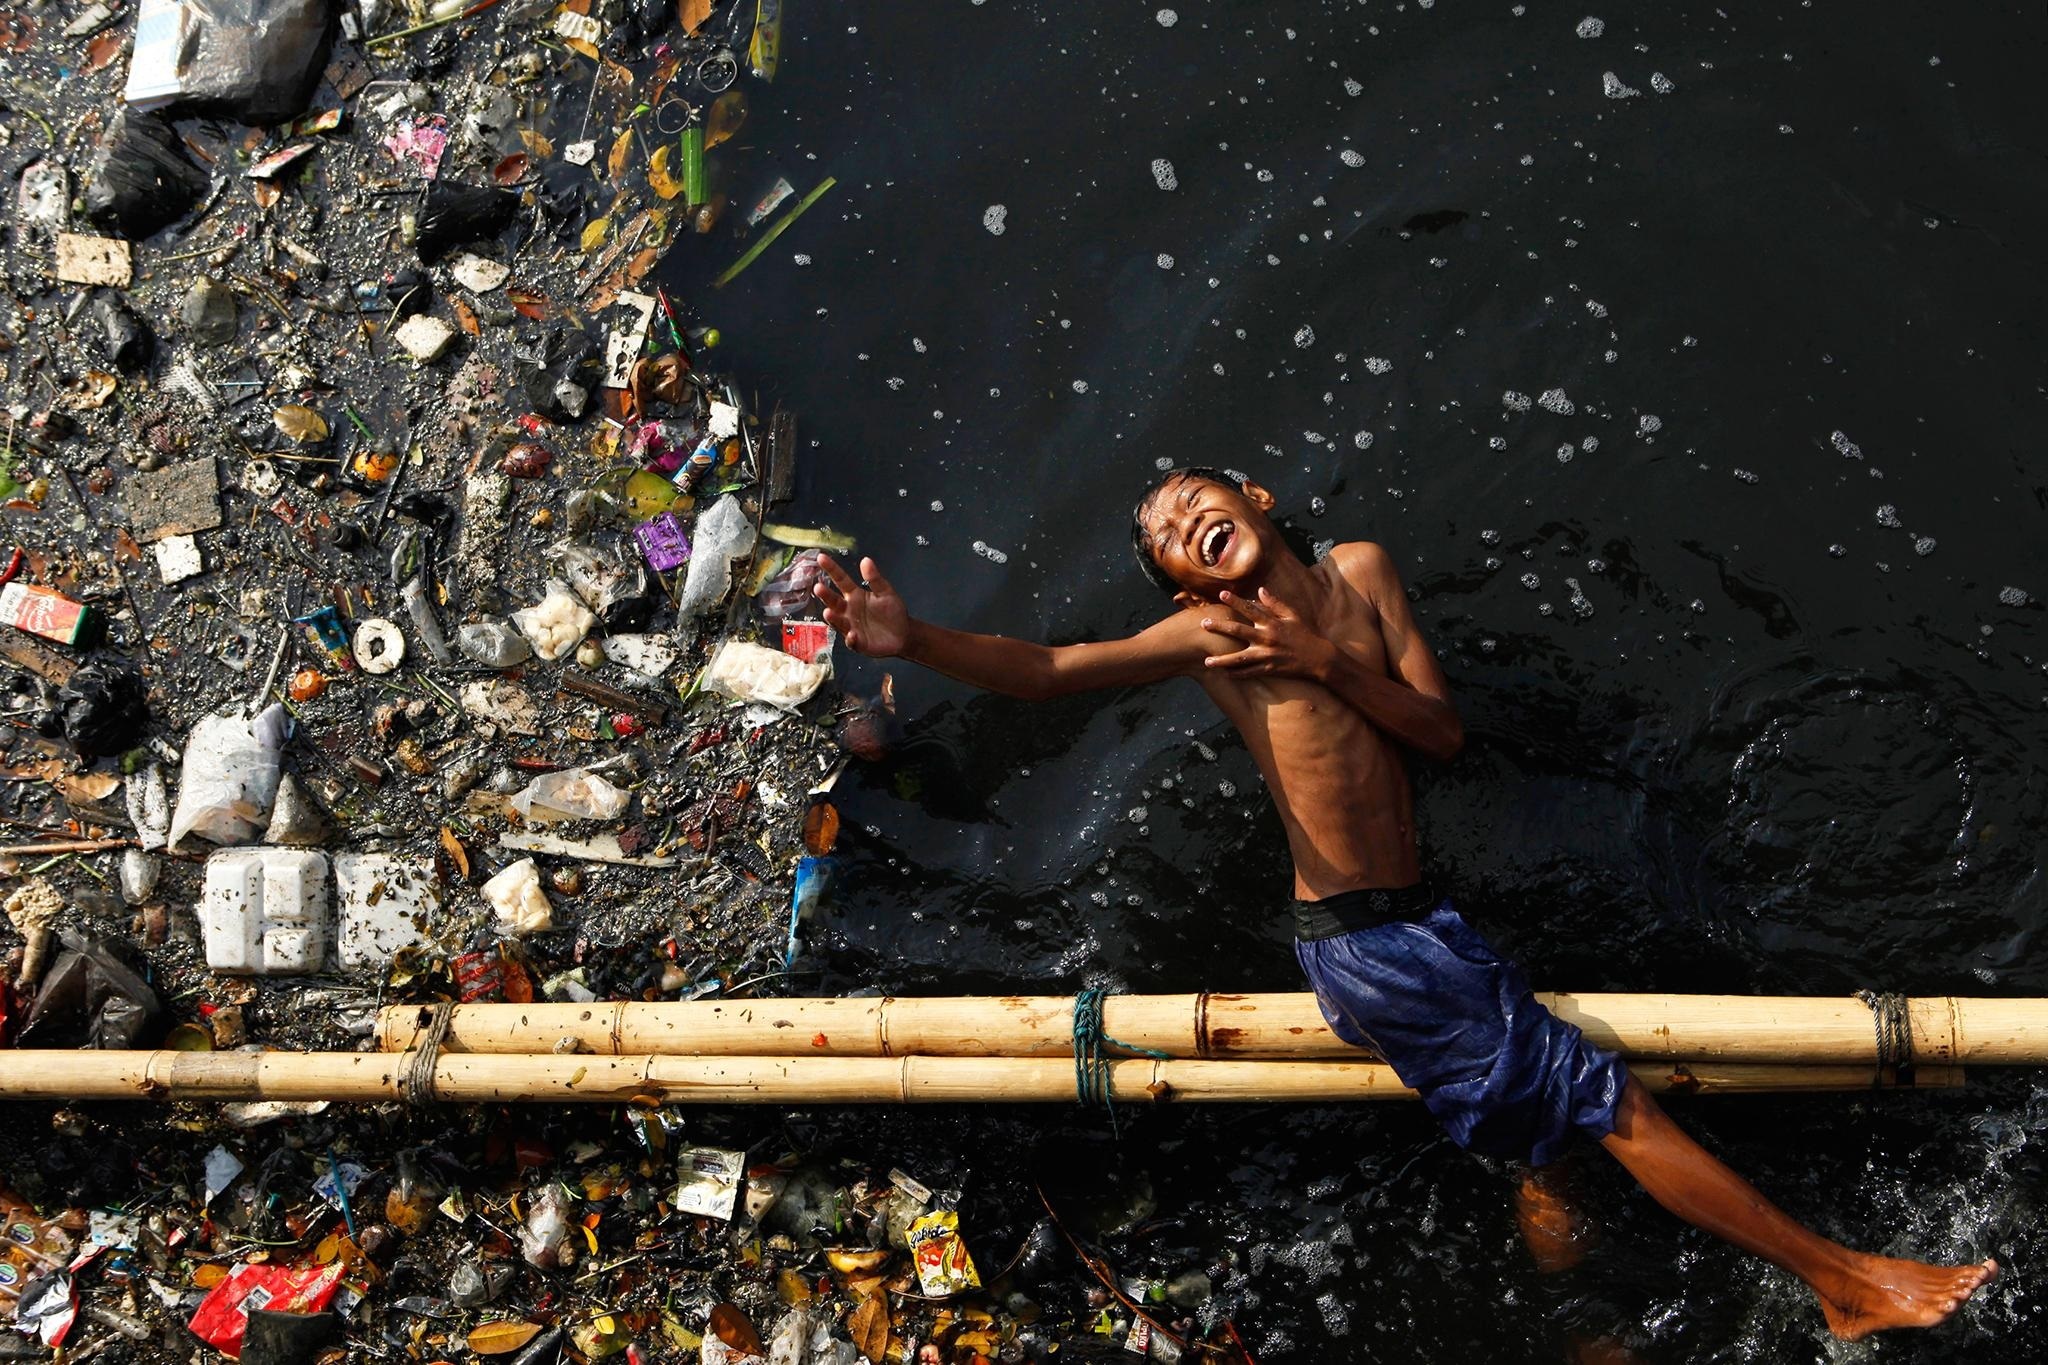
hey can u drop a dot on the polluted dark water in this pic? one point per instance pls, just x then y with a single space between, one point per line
1688 363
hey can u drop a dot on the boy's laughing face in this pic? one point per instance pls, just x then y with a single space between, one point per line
1208 536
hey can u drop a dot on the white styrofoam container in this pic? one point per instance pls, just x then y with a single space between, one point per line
386 902
264 911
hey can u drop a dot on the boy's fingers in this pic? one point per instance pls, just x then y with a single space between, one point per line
841 579
872 572
1236 630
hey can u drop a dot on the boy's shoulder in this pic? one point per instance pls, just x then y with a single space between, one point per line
1365 564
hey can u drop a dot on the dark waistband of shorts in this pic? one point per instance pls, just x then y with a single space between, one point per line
1364 909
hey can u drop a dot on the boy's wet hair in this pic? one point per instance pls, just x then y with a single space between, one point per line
1141 541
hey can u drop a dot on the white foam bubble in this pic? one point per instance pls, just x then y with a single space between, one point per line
1377 364
1353 88
1888 515
1306 337
1649 424
1661 83
1611 86
1840 441
992 218
1164 261
1080 386
1162 174
1351 157
1554 400
1362 439
1515 402
1589 27
1167 18
2014 597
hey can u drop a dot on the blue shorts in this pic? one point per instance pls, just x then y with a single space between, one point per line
1456 1021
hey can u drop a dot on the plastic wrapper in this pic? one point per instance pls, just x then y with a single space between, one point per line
253 60
493 644
547 1228
229 776
709 1180
789 592
943 1266
419 605
720 536
571 794
141 182
749 672
90 998
514 895
556 624
222 1318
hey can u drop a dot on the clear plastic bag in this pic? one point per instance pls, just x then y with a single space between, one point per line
749 672
556 624
720 536
229 776
571 794
494 644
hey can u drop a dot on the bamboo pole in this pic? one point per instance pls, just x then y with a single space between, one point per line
1825 1030
549 1079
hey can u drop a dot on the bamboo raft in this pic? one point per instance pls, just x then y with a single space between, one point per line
509 1078
1214 1048
1825 1030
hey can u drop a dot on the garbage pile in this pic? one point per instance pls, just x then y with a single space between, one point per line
400 609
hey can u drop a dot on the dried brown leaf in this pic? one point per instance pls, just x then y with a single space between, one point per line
457 854
85 789
502 1337
300 423
732 1326
868 1325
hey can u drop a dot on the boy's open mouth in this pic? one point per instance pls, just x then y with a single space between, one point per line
1215 541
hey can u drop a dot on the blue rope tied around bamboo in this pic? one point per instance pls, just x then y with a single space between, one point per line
1091 1066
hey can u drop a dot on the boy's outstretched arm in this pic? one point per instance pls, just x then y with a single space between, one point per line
872 618
1408 699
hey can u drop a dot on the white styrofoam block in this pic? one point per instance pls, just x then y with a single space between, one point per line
264 911
386 903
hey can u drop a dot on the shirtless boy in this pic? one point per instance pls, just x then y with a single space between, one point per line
1324 672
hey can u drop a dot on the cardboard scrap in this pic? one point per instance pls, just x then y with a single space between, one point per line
175 500
94 260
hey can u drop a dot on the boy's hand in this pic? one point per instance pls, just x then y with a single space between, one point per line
869 616
1276 640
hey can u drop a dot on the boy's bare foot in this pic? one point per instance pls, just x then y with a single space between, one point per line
1877 1293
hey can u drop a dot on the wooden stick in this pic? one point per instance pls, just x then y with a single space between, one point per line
551 1079
1760 1029
65 846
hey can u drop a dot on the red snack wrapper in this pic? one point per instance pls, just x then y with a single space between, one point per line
222 1320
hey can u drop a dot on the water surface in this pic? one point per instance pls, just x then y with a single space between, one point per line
1691 372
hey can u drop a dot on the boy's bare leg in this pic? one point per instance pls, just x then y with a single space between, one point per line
1558 1237
1548 1216
1859 1293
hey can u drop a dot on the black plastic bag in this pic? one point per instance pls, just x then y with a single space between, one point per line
141 183
289 1338
104 711
455 215
90 998
125 339
254 60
